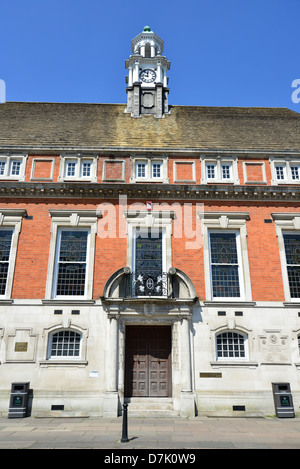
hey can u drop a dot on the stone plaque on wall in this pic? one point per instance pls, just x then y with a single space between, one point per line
274 347
21 346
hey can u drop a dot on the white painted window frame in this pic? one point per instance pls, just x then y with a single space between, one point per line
229 222
218 162
9 159
149 161
78 160
287 164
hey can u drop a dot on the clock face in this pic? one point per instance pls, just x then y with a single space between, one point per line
147 75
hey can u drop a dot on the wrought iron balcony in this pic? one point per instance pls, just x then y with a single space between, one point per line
151 284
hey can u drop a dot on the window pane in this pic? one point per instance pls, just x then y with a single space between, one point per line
295 173
230 345
72 263
86 168
5 245
148 278
73 246
280 172
70 168
224 265
210 171
226 171
225 280
292 248
15 167
140 170
2 168
156 170
71 279
223 248
65 343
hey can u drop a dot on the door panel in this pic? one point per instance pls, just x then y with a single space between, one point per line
147 362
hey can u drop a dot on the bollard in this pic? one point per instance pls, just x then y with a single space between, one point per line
124 426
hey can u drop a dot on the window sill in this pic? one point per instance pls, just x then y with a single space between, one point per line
64 362
67 301
229 302
233 364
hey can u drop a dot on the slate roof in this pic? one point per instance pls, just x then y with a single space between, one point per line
106 126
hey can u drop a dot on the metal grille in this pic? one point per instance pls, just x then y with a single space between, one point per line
230 345
292 253
150 284
224 265
5 245
72 263
65 344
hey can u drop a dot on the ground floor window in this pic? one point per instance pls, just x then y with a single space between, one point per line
64 343
231 345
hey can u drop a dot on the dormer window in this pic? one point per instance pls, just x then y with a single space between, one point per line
285 171
219 170
149 170
12 167
76 168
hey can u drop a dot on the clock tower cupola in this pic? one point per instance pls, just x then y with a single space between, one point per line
147 90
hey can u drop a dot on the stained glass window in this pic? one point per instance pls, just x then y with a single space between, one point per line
72 263
148 277
292 253
224 265
5 245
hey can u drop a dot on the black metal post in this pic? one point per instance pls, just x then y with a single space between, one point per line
125 425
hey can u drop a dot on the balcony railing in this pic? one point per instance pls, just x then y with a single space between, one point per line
149 284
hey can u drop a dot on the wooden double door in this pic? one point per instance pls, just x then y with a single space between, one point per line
148 361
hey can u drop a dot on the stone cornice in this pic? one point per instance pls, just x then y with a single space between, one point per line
162 192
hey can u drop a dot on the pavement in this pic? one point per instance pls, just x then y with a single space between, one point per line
149 433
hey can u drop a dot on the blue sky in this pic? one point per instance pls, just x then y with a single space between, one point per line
222 53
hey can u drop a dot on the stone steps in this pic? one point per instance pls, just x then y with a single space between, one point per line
147 406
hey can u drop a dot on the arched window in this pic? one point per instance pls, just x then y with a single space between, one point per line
231 345
63 344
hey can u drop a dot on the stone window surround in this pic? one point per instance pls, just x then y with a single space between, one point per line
11 218
150 220
72 219
150 159
11 156
287 162
286 223
229 221
79 157
46 338
218 160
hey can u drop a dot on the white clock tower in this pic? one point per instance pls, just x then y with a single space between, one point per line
147 90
